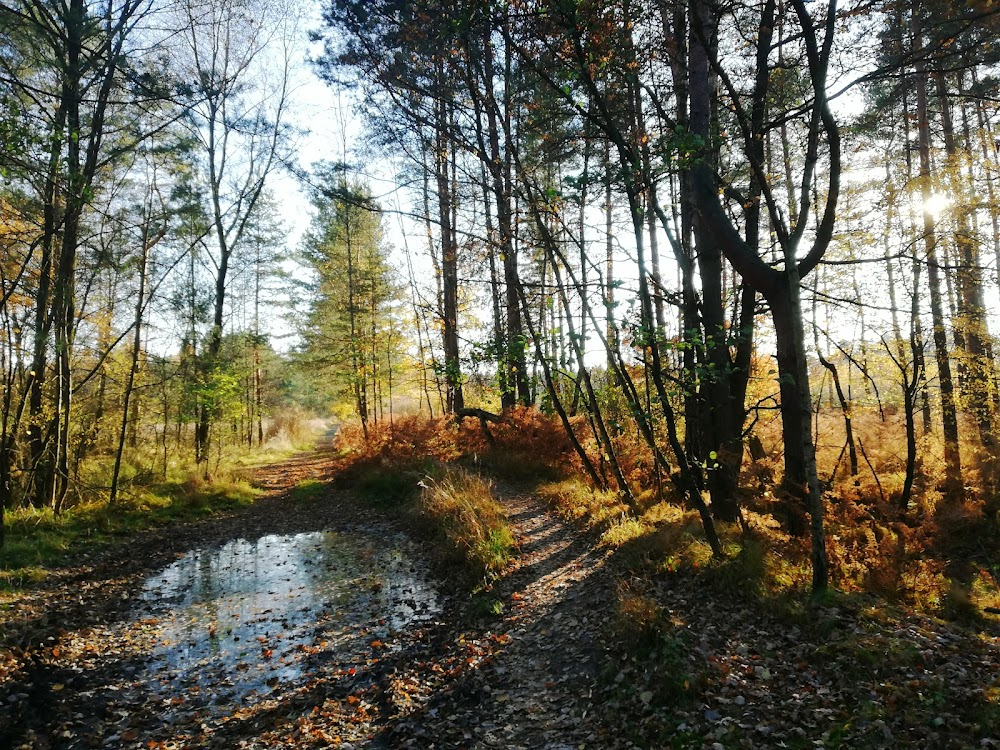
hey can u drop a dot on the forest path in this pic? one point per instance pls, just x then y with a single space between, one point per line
536 686
78 673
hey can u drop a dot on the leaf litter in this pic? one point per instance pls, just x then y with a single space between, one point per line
110 655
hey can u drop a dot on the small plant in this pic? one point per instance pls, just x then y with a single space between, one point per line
639 619
486 605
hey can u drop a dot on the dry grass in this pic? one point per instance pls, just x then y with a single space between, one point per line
578 502
463 506
411 465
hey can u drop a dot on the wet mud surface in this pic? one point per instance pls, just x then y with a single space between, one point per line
222 635
241 621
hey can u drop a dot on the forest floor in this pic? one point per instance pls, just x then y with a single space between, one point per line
579 651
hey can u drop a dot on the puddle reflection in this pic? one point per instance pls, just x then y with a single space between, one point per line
241 620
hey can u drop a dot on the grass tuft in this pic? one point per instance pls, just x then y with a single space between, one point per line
624 530
644 632
463 506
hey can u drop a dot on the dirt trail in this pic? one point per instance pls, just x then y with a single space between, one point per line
539 689
542 675
524 679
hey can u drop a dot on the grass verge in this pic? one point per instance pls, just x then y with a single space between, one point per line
38 540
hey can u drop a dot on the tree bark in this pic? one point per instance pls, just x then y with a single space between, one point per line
971 319
449 258
949 411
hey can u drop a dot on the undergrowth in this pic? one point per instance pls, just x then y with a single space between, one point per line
641 623
463 506
939 557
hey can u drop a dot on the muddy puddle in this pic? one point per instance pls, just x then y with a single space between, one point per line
232 625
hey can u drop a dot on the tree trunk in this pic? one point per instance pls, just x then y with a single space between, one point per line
952 456
842 399
449 259
916 327
502 188
611 327
971 318
796 414
140 304
909 378
721 448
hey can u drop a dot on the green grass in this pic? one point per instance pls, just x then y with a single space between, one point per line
38 540
486 605
494 551
309 491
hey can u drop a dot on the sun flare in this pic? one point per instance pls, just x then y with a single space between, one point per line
936 205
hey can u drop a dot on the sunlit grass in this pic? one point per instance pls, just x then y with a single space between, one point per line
576 501
624 530
153 491
147 463
38 540
463 506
